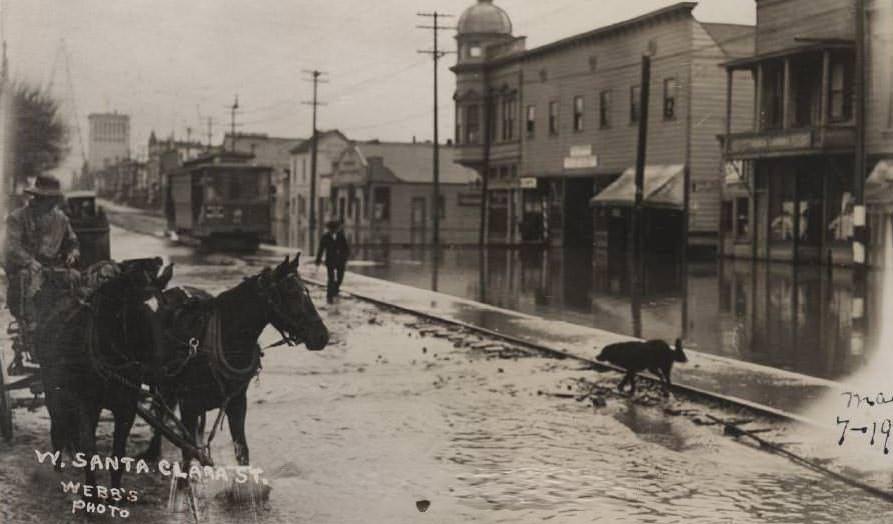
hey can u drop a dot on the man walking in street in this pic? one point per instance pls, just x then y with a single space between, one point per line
38 236
333 245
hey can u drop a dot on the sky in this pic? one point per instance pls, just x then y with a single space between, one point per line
171 64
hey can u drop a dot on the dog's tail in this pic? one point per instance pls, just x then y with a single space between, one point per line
678 354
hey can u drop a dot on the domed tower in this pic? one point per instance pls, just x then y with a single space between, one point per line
481 25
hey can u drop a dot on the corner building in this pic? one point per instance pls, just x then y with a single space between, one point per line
554 126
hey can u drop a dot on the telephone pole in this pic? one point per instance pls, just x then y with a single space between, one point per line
233 121
210 131
436 55
311 222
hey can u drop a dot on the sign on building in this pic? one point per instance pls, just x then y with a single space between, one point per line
528 183
581 157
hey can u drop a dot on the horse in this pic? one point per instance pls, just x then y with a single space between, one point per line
93 352
212 353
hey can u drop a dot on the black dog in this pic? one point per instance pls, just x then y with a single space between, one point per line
653 355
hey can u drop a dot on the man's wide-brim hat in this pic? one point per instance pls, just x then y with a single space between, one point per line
333 223
45 185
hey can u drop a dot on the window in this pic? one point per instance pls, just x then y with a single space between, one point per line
509 106
634 109
841 103
472 124
742 218
441 206
578 114
381 203
531 119
490 119
725 220
458 125
475 51
604 110
670 88
890 96
553 118
772 111
503 172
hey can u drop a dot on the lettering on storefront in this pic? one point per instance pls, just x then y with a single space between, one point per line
528 183
798 140
581 157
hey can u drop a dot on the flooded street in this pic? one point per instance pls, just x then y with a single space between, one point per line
793 318
396 411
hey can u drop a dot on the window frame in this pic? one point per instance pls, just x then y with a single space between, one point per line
670 98
635 110
531 121
604 115
579 114
554 120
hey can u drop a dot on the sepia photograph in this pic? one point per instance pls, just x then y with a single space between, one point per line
446 261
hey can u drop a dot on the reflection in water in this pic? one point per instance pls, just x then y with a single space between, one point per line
796 318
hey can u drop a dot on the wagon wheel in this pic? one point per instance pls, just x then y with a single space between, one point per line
5 404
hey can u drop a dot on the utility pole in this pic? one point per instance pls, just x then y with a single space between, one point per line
860 233
641 153
210 132
436 55
311 222
233 121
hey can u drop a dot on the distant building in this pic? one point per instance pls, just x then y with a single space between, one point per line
383 193
554 126
109 139
331 145
276 153
165 156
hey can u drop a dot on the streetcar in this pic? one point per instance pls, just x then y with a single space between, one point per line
220 201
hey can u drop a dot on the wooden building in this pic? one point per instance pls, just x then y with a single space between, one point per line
383 193
791 179
551 127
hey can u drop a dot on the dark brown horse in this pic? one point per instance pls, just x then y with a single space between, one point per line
212 353
93 352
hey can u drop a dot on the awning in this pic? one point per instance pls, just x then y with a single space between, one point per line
879 185
664 188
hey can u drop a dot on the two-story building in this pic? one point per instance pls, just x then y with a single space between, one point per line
331 145
554 126
383 193
791 180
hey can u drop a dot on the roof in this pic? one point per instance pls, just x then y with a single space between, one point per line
267 150
809 45
664 188
304 146
484 18
610 30
735 40
413 163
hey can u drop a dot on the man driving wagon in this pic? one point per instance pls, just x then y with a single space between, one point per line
38 237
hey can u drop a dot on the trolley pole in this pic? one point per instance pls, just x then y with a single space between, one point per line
436 55
233 121
311 220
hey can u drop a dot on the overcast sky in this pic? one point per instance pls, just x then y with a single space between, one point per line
165 62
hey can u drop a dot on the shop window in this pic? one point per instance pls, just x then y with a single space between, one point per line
840 206
381 201
634 106
781 207
578 114
509 107
531 121
553 118
742 219
774 94
725 217
458 125
604 112
670 88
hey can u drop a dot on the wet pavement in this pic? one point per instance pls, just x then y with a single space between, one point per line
794 318
398 410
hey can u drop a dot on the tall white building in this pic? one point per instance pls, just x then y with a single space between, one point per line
109 139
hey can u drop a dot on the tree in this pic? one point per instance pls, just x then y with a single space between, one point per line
40 135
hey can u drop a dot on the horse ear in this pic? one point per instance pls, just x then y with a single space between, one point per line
166 275
282 269
296 261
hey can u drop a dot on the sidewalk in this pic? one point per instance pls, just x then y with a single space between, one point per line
769 389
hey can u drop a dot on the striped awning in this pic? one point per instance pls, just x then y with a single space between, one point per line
664 188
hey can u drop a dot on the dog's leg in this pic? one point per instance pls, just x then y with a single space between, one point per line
632 384
624 382
668 384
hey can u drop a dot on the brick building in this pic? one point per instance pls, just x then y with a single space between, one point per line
791 178
555 125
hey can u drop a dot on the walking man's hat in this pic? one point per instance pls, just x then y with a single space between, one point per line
45 185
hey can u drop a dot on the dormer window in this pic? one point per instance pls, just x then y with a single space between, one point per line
475 51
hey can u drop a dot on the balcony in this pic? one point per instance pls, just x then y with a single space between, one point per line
791 142
472 155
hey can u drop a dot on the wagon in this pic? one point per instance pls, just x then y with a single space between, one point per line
91 226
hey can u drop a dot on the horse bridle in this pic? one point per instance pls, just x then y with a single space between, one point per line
274 298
